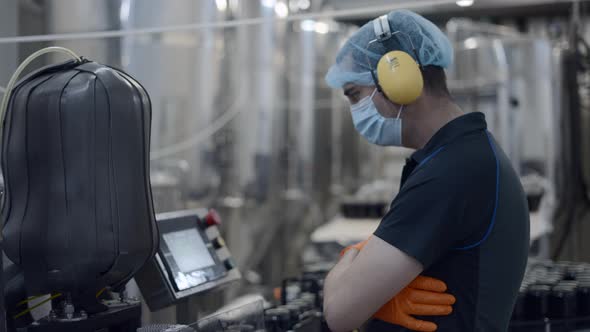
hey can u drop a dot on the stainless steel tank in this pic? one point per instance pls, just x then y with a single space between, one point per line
313 141
508 77
250 182
479 77
64 16
514 80
180 70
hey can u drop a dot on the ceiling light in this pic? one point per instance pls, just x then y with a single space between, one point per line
464 3
322 27
308 25
268 3
221 5
125 9
470 43
281 10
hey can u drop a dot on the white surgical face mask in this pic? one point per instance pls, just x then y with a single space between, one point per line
373 126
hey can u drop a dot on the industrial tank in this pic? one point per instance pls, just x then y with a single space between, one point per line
180 69
511 78
507 76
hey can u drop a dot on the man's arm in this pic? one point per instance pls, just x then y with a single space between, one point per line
363 281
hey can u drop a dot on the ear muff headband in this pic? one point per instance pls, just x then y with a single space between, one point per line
398 75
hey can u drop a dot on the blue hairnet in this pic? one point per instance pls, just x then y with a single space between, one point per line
352 61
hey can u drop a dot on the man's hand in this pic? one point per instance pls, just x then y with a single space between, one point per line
424 297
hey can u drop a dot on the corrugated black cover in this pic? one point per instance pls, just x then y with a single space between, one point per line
78 212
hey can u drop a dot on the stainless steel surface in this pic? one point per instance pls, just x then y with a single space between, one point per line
481 6
83 16
515 80
308 128
179 70
508 77
8 53
251 176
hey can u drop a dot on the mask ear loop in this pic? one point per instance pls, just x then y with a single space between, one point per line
373 94
401 108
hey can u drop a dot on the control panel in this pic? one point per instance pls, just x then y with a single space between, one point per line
192 258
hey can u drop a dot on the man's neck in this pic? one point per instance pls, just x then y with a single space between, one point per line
430 119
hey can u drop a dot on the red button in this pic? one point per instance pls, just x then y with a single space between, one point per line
212 218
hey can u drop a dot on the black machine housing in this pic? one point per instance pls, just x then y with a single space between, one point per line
77 212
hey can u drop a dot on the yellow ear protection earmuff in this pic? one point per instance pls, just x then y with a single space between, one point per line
398 75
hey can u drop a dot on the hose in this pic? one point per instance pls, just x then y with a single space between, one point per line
24 64
99 293
194 140
24 312
32 298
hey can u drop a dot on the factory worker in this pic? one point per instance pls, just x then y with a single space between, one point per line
461 214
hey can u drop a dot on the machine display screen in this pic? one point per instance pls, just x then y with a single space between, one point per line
191 258
189 250
187 253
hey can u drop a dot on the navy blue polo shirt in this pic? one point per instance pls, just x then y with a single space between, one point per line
461 212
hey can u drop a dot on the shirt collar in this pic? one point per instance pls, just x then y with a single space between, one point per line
454 129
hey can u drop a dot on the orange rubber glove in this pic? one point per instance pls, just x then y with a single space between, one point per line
423 297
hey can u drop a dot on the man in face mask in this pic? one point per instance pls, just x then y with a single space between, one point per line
460 216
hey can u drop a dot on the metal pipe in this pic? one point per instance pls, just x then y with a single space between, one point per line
327 14
454 26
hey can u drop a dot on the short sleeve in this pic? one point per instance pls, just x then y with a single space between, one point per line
425 219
